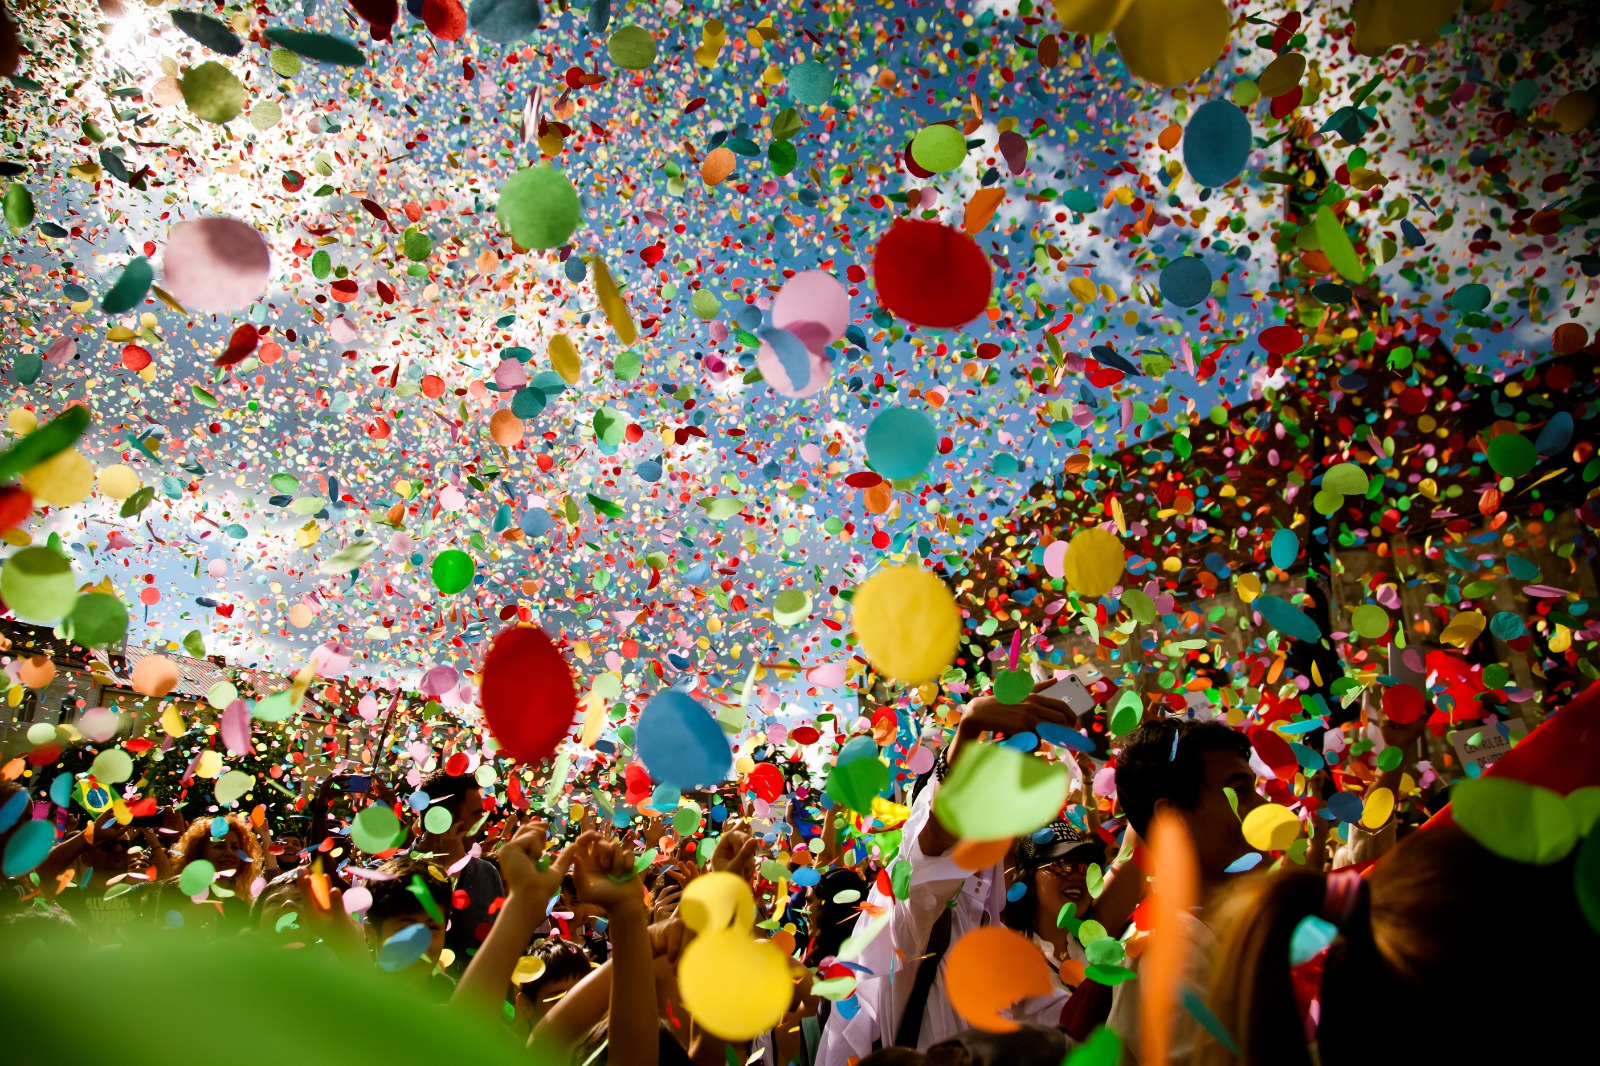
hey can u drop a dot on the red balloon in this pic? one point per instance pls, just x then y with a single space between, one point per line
766 781
932 275
528 696
1404 704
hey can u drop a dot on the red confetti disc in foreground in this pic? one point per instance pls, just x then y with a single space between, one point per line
1403 704
528 697
932 275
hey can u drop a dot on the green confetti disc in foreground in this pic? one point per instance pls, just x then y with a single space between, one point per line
1337 247
452 571
1511 455
938 148
996 792
539 206
376 829
196 877
38 585
317 47
632 48
213 93
1515 820
244 979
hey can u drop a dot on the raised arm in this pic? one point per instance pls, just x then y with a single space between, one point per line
531 880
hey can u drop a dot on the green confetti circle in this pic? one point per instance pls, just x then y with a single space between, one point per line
1511 455
938 148
632 48
213 93
539 206
38 585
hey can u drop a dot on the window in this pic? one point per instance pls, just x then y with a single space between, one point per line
29 707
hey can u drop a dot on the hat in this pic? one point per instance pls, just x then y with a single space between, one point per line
1059 840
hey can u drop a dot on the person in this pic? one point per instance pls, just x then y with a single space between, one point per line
475 877
1414 937
944 901
556 965
1052 870
410 893
228 843
1198 772
100 878
531 882
1028 1045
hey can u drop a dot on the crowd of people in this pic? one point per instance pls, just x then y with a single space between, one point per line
569 932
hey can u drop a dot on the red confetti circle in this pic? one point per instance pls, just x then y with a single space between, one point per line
932 275
528 697
1403 704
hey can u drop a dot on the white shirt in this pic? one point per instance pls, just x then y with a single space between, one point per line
1124 1017
979 899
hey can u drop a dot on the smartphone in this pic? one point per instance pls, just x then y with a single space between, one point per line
354 783
1073 692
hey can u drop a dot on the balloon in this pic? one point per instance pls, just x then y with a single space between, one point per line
529 700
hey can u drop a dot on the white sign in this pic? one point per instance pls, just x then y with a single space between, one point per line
1490 743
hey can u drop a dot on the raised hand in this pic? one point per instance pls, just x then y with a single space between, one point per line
523 865
736 853
602 870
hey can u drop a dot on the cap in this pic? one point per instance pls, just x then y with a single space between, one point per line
1059 840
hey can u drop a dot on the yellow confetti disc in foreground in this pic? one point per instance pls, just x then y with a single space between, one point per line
119 481
1173 41
611 302
1382 24
735 986
1378 808
907 623
1094 563
1463 628
61 480
1091 16
717 902
1271 827
564 358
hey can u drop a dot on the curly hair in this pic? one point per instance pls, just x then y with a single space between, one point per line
193 842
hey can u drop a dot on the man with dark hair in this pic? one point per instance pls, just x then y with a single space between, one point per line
1187 769
411 893
1198 772
460 796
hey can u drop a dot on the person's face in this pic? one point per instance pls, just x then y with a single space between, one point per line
108 857
1218 833
281 900
391 926
471 811
224 852
534 1008
1057 884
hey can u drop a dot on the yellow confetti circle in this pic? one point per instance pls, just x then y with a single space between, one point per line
61 480
119 481
713 967
1094 563
1174 41
1271 827
907 623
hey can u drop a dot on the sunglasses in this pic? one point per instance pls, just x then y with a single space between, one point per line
1065 867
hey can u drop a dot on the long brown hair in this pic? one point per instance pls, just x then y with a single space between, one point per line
1439 924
